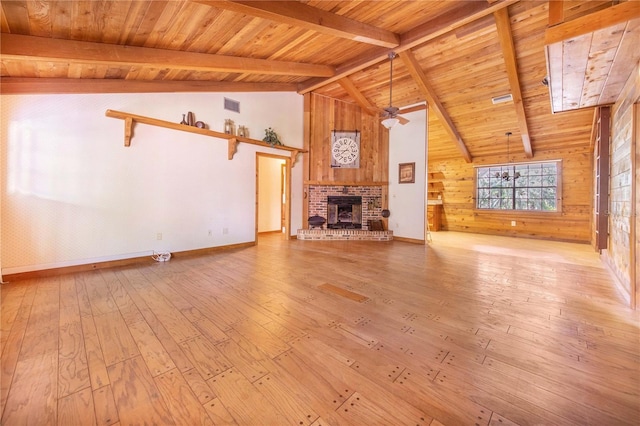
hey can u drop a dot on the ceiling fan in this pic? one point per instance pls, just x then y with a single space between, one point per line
389 114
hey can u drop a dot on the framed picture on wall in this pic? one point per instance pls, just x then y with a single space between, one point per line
406 173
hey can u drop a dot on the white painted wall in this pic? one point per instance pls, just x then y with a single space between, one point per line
73 194
269 197
407 202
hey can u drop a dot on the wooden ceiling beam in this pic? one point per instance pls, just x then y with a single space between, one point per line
300 15
13 86
436 106
509 53
453 19
23 47
357 96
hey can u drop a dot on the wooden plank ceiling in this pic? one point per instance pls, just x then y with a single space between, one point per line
454 55
590 58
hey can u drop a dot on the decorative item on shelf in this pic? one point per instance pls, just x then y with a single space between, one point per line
243 131
386 213
189 119
229 127
271 137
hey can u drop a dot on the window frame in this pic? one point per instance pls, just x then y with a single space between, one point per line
545 213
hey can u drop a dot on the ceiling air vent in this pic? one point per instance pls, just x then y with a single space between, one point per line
231 105
502 99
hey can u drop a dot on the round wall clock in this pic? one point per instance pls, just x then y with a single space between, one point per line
345 152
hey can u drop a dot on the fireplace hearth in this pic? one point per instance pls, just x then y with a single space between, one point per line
344 212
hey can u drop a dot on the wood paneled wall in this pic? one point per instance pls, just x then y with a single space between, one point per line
572 224
328 114
619 254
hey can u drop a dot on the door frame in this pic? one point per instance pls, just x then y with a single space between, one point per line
287 192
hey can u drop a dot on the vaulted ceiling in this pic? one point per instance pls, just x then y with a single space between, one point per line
454 55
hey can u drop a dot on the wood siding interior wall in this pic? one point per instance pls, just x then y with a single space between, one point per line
326 115
572 224
619 252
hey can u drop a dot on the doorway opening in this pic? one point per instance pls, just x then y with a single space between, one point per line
273 195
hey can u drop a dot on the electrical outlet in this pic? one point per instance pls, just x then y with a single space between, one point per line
513 223
159 236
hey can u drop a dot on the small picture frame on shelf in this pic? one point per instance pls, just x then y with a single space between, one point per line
406 173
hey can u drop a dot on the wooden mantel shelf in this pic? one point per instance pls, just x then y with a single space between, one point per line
233 141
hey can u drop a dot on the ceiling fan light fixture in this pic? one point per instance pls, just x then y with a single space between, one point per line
390 122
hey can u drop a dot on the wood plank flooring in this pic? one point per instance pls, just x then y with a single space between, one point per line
468 330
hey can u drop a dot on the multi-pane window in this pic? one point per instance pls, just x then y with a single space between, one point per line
523 186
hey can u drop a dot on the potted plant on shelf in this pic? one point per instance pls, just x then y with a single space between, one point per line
271 137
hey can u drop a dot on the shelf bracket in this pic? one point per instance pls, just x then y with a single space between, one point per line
128 131
294 157
233 147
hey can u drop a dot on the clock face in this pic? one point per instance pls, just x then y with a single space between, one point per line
345 151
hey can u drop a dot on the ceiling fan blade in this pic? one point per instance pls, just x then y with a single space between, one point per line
402 120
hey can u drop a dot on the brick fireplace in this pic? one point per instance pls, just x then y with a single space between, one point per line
371 200
369 209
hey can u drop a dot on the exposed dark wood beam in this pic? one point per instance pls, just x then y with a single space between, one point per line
300 15
456 18
23 47
10 85
436 106
509 54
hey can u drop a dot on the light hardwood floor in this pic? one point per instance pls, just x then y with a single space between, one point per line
469 330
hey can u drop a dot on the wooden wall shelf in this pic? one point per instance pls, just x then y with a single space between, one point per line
233 141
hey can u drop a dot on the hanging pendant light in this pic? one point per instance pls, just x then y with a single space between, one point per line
505 175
